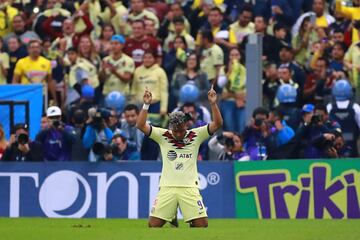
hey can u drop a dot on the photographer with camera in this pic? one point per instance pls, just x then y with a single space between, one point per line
229 147
121 149
97 134
256 135
346 112
342 151
58 139
315 138
280 131
21 149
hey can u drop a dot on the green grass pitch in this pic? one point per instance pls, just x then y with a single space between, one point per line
219 229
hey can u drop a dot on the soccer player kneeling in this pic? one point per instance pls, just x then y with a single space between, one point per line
179 182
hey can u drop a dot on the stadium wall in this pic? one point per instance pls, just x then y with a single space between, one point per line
102 190
298 189
301 189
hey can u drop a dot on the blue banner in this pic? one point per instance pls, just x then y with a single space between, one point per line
32 93
102 190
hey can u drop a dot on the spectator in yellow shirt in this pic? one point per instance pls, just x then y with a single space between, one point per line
138 12
116 14
212 57
319 17
152 77
117 69
352 13
219 29
87 50
244 26
352 62
176 11
7 14
4 63
35 69
103 44
179 26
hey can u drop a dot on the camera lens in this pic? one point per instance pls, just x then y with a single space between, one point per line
98 148
56 123
258 122
229 142
23 138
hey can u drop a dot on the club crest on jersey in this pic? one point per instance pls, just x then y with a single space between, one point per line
180 144
179 166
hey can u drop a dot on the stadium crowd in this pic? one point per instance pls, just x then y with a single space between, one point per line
95 58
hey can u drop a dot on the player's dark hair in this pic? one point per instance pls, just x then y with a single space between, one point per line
177 118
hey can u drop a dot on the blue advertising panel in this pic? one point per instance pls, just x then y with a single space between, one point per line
17 92
102 190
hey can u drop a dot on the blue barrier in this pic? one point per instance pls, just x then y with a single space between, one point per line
102 190
30 92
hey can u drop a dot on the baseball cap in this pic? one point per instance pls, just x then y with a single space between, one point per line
19 126
308 108
53 111
119 38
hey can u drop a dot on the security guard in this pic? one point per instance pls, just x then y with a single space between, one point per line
346 112
286 95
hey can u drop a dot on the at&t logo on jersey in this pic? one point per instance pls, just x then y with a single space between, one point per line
172 155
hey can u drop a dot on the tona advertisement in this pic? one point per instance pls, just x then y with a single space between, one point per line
102 190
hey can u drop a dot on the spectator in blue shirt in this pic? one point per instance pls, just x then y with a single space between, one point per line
337 57
283 133
96 132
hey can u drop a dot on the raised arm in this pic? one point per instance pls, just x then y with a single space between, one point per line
217 121
141 123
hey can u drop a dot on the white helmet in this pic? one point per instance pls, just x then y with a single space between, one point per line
53 111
